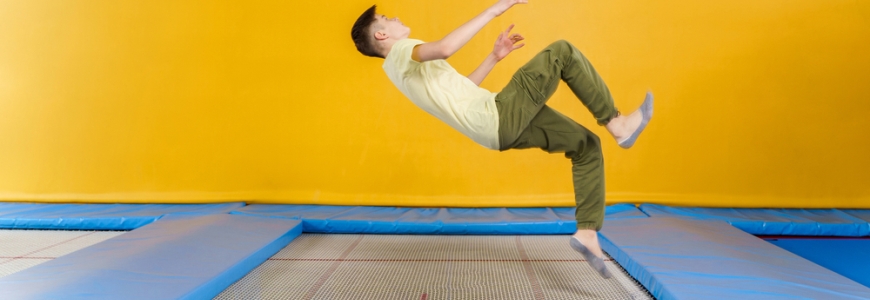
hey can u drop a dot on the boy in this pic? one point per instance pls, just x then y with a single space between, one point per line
517 117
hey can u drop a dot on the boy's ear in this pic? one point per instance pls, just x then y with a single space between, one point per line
380 35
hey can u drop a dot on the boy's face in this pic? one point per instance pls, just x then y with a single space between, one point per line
393 28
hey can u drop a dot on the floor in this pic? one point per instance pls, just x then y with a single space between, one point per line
355 266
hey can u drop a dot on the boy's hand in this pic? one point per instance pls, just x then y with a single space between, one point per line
503 5
506 43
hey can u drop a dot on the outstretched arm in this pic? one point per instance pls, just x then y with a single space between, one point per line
504 44
455 40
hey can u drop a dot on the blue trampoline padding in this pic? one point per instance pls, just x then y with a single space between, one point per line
622 211
406 220
694 259
846 257
176 257
98 216
863 214
808 222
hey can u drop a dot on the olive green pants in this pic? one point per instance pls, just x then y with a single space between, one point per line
525 121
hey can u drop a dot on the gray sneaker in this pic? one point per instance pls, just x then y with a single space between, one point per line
596 262
646 111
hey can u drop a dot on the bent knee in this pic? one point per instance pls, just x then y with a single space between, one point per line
563 48
593 142
588 148
561 44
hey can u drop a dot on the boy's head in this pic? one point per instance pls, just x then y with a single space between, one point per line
373 34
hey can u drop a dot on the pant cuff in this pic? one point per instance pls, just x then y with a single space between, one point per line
588 225
612 116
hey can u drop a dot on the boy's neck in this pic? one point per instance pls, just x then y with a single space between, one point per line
388 45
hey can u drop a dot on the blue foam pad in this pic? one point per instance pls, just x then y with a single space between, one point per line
97 216
863 214
405 220
368 219
176 257
694 259
622 211
846 257
809 222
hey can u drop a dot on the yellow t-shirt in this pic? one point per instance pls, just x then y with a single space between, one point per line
438 89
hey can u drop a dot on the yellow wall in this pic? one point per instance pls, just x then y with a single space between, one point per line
759 103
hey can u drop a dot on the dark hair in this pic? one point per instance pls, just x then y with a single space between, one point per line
362 34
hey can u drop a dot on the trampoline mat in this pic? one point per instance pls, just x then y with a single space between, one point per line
354 266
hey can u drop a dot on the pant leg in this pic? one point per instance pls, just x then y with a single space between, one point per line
554 132
533 84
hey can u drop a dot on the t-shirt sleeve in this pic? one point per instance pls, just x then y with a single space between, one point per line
399 58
